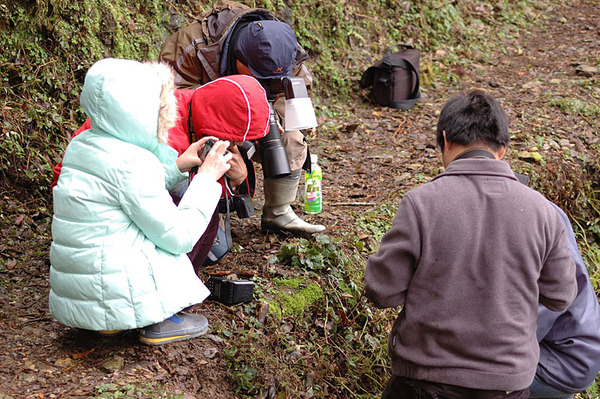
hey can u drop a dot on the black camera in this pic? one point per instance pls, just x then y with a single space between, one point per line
247 149
274 159
230 292
241 204
299 114
207 147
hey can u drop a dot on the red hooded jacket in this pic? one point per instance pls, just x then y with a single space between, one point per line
233 108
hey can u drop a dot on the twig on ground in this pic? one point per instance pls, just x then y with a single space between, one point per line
353 204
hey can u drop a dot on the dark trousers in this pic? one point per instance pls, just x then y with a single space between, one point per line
200 251
406 388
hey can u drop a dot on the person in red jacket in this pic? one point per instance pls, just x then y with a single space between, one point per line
232 108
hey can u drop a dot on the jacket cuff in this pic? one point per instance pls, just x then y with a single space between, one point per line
173 175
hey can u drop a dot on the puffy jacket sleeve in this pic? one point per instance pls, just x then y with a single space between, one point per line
57 168
173 228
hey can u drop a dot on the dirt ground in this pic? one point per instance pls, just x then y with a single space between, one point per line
369 158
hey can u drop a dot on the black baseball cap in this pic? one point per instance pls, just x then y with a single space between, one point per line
267 48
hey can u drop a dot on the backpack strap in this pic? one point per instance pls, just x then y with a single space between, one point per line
191 131
227 222
192 135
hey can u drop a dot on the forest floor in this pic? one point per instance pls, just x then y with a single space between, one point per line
368 158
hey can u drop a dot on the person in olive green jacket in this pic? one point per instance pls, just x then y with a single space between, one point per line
233 38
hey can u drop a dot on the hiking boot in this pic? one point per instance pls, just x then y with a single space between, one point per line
277 214
178 327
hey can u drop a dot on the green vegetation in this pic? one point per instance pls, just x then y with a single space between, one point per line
294 296
42 67
321 336
576 106
43 64
144 390
328 338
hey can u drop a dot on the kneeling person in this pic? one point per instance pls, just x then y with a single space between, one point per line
118 256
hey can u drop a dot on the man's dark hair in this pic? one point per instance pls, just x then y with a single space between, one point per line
475 116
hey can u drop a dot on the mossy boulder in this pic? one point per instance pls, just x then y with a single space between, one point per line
294 296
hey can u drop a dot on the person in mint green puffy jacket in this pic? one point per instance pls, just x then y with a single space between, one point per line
118 255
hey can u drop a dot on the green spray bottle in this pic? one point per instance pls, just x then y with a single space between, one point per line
313 200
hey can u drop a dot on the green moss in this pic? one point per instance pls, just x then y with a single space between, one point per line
43 64
293 297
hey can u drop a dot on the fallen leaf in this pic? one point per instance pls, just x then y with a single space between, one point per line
81 355
19 219
534 155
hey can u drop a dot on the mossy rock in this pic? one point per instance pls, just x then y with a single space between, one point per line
293 297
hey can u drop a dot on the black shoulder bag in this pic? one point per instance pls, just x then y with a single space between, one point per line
394 80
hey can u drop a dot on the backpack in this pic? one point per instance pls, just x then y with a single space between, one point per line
394 80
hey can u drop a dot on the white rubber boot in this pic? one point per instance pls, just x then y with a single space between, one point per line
277 213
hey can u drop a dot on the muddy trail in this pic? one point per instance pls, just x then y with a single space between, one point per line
368 159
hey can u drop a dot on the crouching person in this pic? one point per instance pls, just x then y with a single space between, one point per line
118 255
469 256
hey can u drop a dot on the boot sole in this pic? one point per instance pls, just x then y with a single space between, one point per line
165 340
283 230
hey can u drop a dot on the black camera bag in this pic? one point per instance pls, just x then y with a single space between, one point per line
394 80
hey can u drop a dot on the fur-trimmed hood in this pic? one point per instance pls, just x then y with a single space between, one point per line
119 243
133 102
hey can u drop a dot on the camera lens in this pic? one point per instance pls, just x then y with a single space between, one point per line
274 159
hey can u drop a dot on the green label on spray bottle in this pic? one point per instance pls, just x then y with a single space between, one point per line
313 188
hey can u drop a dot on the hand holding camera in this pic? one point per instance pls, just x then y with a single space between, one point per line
215 157
208 145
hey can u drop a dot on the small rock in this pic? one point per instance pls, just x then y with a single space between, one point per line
295 355
46 368
114 364
531 85
65 362
532 155
553 144
28 378
564 143
586 70
215 338
211 352
31 366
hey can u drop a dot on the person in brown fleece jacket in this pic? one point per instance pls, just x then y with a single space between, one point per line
469 256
